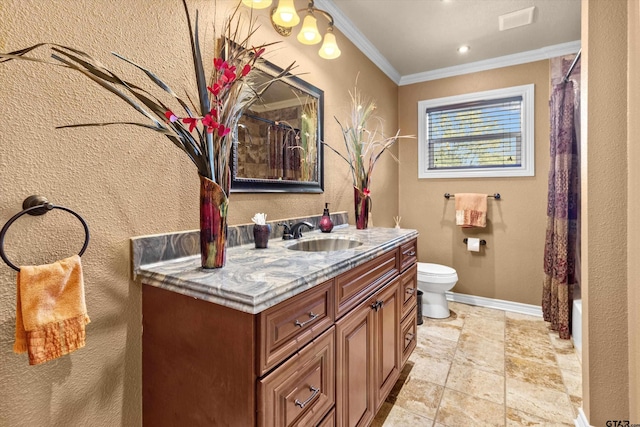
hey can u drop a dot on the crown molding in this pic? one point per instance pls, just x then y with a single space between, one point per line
490 64
348 28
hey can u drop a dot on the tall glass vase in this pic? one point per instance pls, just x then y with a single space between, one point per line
213 224
361 203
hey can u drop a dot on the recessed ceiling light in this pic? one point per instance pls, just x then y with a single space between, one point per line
464 49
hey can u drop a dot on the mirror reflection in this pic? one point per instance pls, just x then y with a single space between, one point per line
279 138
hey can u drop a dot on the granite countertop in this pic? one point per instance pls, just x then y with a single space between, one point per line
255 279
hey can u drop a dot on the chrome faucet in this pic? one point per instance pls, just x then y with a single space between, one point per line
296 229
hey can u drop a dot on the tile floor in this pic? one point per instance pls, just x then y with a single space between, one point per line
485 367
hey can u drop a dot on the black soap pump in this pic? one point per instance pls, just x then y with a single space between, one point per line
326 225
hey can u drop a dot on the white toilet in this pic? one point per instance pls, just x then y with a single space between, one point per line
434 280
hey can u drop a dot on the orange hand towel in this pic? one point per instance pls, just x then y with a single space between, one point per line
50 312
471 210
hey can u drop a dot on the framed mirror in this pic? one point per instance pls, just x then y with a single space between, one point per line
278 146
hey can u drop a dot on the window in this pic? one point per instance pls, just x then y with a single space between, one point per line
483 134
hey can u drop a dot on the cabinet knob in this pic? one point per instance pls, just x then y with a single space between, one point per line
312 317
314 393
410 291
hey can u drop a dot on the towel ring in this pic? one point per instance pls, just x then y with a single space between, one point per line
38 205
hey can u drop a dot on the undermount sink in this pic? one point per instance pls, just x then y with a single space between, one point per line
325 244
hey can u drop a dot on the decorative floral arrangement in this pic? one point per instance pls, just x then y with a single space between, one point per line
205 130
365 142
200 133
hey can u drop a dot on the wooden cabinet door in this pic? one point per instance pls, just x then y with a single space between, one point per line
387 348
354 367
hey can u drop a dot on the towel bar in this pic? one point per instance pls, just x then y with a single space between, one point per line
451 196
38 205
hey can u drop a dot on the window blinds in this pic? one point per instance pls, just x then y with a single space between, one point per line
481 134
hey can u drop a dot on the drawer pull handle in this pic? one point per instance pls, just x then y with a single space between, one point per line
410 291
412 253
314 393
312 317
377 305
408 338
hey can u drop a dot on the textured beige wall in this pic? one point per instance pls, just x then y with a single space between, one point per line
126 182
604 211
633 236
510 266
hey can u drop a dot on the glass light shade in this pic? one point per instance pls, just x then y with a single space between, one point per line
285 14
257 4
329 48
309 33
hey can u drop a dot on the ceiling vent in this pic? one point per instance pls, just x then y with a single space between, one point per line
516 19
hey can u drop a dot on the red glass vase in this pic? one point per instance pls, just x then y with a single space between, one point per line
213 224
362 204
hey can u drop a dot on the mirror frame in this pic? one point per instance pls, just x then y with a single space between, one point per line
257 185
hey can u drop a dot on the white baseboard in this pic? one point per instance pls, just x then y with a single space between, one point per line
582 420
515 307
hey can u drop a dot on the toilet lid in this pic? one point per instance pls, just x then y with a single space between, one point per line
436 273
436 269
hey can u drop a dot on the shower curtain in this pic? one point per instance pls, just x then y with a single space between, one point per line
561 252
284 160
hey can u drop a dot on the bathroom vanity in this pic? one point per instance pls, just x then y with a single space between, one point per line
279 337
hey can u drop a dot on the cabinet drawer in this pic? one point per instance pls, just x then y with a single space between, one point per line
409 334
288 326
329 420
302 390
355 285
409 289
408 254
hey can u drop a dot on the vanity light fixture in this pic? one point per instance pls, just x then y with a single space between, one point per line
257 4
285 16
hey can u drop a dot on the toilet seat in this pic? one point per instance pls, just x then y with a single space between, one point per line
436 273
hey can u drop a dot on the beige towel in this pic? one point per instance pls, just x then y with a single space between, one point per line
471 210
50 312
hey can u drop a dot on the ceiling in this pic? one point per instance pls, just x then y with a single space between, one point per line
417 40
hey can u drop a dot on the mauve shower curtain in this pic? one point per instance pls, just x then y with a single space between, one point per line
561 252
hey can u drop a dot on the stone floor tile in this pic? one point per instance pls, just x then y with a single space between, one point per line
481 353
573 382
576 403
569 362
420 397
395 416
445 328
431 369
476 382
517 418
543 402
560 344
460 409
440 348
488 313
485 327
530 349
456 374
541 374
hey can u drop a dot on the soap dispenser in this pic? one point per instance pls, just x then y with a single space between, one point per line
326 225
